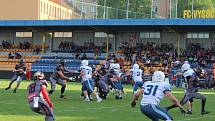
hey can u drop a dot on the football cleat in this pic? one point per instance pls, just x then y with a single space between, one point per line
99 100
205 112
189 112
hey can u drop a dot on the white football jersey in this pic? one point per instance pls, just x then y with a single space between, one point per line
154 92
87 73
189 72
137 74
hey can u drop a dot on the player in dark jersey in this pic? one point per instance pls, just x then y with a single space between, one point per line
19 72
38 98
102 84
191 90
58 77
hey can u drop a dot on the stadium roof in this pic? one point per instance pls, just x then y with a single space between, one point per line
110 25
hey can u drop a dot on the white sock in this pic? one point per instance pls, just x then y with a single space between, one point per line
87 97
97 97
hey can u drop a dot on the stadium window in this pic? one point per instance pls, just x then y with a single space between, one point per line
50 13
197 35
157 35
92 9
69 34
206 35
23 34
63 15
189 35
41 6
201 35
44 7
62 34
149 34
55 12
100 34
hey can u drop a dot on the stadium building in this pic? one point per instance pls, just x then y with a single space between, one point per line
55 39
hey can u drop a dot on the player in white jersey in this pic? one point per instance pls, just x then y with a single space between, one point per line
117 84
153 92
136 73
86 74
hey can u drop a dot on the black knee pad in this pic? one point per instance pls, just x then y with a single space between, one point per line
51 91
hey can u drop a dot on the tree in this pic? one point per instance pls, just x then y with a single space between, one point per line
117 8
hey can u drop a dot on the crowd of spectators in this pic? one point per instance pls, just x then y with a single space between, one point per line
87 47
151 54
167 56
6 44
15 55
22 45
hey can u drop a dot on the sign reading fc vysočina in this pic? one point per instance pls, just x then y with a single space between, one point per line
199 13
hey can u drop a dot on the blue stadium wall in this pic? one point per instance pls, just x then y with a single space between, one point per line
172 31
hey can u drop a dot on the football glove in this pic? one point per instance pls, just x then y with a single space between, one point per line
133 104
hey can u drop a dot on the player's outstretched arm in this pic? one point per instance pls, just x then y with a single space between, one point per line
62 75
175 101
135 97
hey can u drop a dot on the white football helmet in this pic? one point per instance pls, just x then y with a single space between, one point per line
186 62
185 67
136 66
158 76
39 75
112 65
84 63
117 66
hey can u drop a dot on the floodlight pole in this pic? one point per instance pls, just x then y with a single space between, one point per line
127 9
192 8
170 7
176 9
151 8
104 13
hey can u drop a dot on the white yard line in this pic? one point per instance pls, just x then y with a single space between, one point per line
181 92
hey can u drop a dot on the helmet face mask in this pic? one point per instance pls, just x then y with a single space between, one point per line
39 75
84 63
158 76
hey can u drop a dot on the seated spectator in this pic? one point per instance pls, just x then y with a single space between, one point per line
84 57
10 55
37 50
17 55
77 55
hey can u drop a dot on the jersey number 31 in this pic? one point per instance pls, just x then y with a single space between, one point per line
150 90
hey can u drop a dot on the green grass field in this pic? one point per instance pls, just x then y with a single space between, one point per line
13 107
